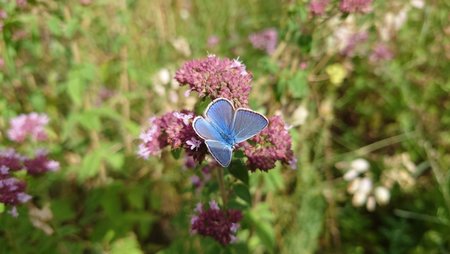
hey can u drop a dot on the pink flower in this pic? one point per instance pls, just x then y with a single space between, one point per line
318 7
11 160
381 52
353 41
352 6
21 3
173 129
40 164
216 78
221 225
28 125
265 40
12 190
213 41
272 144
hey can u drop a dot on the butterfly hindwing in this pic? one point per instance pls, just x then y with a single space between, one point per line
220 151
247 123
221 112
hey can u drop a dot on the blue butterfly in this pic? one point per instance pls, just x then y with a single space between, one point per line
223 127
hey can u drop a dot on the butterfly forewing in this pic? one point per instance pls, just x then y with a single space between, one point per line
220 112
205 130
220 151
247 123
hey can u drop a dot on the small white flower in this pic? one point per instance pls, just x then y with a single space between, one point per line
234 227
194 143
53 165
382 195
199 208
164 76
299 116
419 4
184 117
213 205
351 174
23 197
365 186
371 204
360 165
354 186
359 199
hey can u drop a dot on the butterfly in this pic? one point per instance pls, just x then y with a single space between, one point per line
222 127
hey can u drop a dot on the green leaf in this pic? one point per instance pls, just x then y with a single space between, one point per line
273 181
243 192
239 154
261 218
238 170
298 85
128 245
176 153
90 165
75 89
89 120
115 160
54 25
2 207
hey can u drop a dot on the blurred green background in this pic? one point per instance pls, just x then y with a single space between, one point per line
100 69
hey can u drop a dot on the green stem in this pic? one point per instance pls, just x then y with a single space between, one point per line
222 186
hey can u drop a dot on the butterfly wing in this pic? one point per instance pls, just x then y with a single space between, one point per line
205 129
220 151
247 123
220 112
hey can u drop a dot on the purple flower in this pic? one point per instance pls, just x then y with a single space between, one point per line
265 40
205 176
173 129
318 7
213 40
28 125
11 160
272 144
216 223
21 3
12 190
352 6
381 52
196 181
353 41
216 78
189 162
40 164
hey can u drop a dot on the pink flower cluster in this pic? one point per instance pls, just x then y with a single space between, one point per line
318 7
272 144
172 129
12 190
31 125
40 164
221 225
381 52
353 6
217 78
265 40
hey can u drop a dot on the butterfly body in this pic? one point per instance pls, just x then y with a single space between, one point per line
222 127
